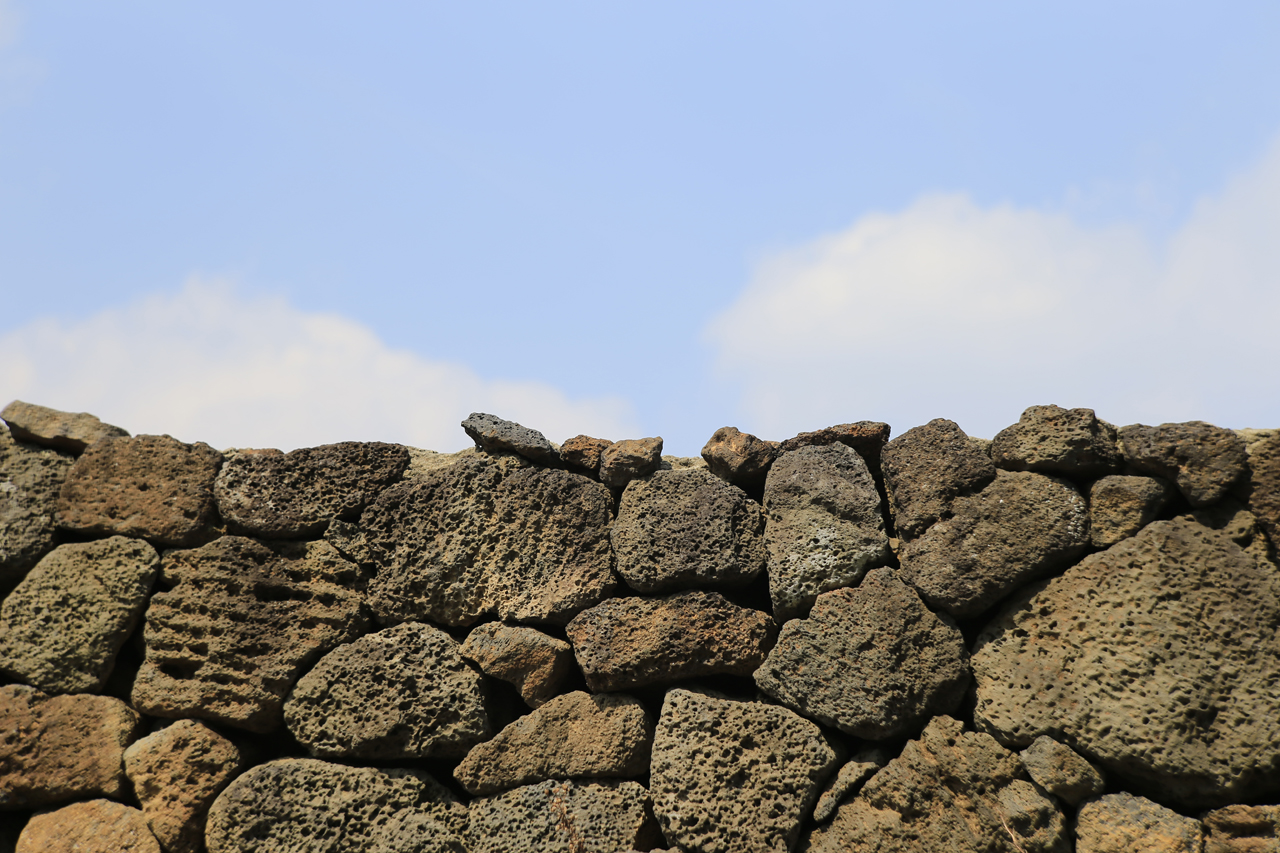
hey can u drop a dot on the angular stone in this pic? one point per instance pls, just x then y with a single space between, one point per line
1263 489
1155 657
1202 460
64 624
1120 506
629 460
301 805
949 790
1242 829
871 661
31 478
564 817
739 457
848 781
928 467
1123 823
824 526
868 438
572 736
59 748
534 662
1061 771
403 692
290 495
1054 440
583 452
96 826
687 529
734 777
241 622
152 487
1019 528
72 432
495 435
625 643
176 774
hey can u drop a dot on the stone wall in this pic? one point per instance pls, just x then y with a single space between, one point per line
1067 638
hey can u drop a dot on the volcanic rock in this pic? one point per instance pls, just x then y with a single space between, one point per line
926 468
1061 771
534 662
739 457
1123 823
1242 829
31 478
1263 490
1054 440
564 817
96 826
851 777
866 437
629 460
583 452
496 435
68 431
1202 460
1120 506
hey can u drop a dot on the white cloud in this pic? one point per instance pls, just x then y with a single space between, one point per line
948 309
210 364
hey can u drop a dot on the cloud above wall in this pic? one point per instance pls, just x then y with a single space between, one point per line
951 309
208 363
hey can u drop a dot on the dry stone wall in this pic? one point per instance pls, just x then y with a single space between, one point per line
1064 639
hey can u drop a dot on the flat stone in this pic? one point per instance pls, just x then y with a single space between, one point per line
176 774
872 661
735 777
681 529
1061 771
1123 823
72 432
577 735
824 528
852 776
537 664
1054 440
1202 460
239 624
626 643
1020 528
868 438
96 826
403 692
290 495
31 478
949 790
151 487
564 817
1242 829
494 434
1120 506
63 625
928 467
582 452
60 748
629 460
1143 658
739 457
1263 488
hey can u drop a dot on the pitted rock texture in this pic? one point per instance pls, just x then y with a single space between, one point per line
1242 829
534 662
628 460
59 748
1123 823
1240 526
1202 460
734 777
949 790
278 495
1061 771
564 817
301 805
687 529
625 643
1054 440
1019 528
64 624
176 774
403 692
582 452
96 826
30 480
824 526
152 487
1120 506
868 438
1263 491
241 622
68 431
928 467
855 772
496 435
871 661
739 457
577 735
1156 658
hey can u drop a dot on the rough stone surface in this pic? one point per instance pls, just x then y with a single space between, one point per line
734 777
625 643
824 526
59 748
629 460
1202 460
152 487
577 735
1019 528
687 529
495 435
241 622
69 431
64 624
739 457
868 438
403 692
534 662
1123 823
1240 525
176 774
289 495
301 805
871 661
1156 658
1061 771
1120 506
583 452
1263 490
950 790
1242 829
96 826
926 468
564 817
1054 440
855 772
30 479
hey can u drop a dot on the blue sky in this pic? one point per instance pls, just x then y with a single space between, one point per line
285 224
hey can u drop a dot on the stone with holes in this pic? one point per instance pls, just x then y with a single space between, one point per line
868 438
1123 823
535 663
855 772
582 452
1121 505
30 479
1204 461
96 826
1054 440
71 432
630 459
928 467
497 435
1263 487
739 457
564 817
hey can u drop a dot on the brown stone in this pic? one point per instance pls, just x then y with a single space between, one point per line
68 431
739 457
928 467
1202 460
31 478
1120 506
564 817
1242 829
1054 440
1263 489
96 826
852 776
496 435
534 662
868 438
629 460
583 452
1061 771
1123 823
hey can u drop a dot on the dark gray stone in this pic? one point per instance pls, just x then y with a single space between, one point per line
494 434
1202 460
928 467
31 478
1054 440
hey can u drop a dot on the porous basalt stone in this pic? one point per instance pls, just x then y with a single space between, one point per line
68 431
1054 440
1123 823
739 457
564 817
96 826
583 452
1061 771
628 460
1242 829
239 624
152 487
855 772
872 661
1120 506
928 467
868 438
687 529
403 692
624 643
534 662
1142 657
494 434
31 478
64 624
1202 460
1263 487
